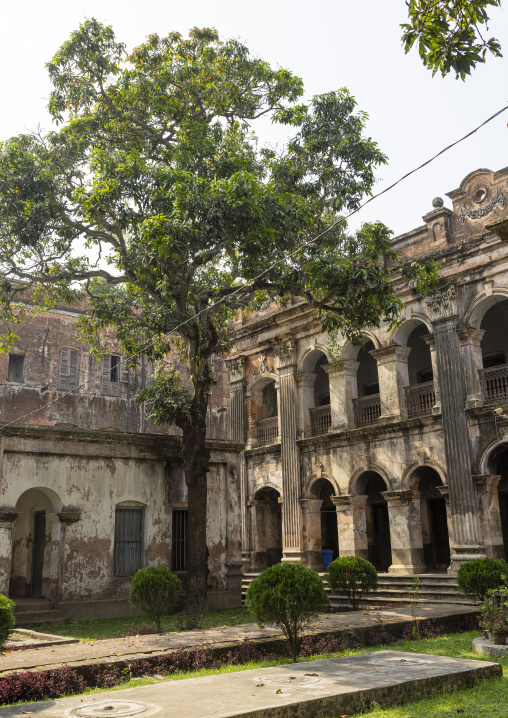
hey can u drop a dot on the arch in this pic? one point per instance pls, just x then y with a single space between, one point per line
400 335
51 496
266 485
407 477
308 492
266 523
350 350
311 356
262 380
483 302
358 475
491 454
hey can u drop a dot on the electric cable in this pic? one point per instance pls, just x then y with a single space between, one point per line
268 269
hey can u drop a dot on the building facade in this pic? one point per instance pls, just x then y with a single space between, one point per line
396 450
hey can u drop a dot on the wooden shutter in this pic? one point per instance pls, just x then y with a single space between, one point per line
105 374
124 372
68 369
129 522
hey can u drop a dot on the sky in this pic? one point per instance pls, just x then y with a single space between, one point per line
330 44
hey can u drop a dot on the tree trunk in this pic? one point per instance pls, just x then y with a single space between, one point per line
195 465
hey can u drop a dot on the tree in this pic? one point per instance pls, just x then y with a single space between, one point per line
155 590
186 218
450 34
288 595
353 577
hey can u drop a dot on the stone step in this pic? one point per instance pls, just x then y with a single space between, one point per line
32 618
32 604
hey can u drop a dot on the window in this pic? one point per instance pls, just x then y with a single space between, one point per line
179 559
16 368
112 374
129 528
68 369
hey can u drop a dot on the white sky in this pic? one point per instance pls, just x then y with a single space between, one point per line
332 44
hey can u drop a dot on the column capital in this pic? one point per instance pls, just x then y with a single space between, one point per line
393 352
311 506
342 503
286 351
342 366
69 517
403 497
305 378
484 482
8 516
470 334
236 368
444 491
429 339
443 302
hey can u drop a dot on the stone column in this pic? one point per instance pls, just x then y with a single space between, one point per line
429 340
467 537
312 539
490 516
290 460
470 339
258 556
305 389
343 389
236 368
445 493
7 518
405 531
352 524
393 377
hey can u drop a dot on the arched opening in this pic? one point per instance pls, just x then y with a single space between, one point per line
436 540
31 544
329 531
494 349
419 395
316 385
502 489
269 401
367 406
267 529
372 485
263 412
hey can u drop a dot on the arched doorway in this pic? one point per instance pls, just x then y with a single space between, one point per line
315 394
372 485
266 529
494 349
436 540
329 531
502 489
367 405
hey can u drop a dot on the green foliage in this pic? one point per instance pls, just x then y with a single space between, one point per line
494 610
353 577
7 620
477 577
449 34
155 590
288 595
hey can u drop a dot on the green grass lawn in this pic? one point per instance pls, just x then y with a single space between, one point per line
115 627
487 699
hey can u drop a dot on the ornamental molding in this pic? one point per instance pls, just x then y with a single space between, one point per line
286 351
264 367
236 368
444 302
498 198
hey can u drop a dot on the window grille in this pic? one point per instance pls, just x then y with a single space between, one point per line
68 369
129 528
180 532
16 368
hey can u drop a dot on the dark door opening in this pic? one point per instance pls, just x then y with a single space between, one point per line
381 546
39 546
503 510
439 534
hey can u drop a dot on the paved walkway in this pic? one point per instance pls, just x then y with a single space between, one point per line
110 650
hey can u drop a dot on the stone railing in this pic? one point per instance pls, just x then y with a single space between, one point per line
320 419
268 430
367 409
420 398
494 383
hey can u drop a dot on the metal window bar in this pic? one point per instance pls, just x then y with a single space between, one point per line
267 430
494 383
420 398
320 419
129 525
367 409
180 537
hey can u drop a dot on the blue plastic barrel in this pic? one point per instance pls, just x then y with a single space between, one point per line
326 556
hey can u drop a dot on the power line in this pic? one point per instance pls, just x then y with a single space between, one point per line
274 264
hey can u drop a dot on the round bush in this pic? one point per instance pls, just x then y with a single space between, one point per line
353 577
155 590
475 578
288 595
7 620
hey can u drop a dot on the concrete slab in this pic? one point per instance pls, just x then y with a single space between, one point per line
486 647
315 689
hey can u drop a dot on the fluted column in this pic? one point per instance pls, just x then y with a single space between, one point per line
490 515
7 518
343 389
470 339
290 460
312 539
467 537
236 368
393 377
405 531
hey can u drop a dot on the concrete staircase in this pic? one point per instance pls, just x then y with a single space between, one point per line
435 588
31 611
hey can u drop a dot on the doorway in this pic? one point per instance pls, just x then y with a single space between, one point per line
39 546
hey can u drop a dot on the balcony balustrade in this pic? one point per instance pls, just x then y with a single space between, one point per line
267 430
320 419
367 409
420 398
494 383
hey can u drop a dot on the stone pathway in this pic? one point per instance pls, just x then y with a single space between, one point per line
111 650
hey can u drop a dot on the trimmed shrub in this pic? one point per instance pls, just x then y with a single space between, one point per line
7 620
477 577
353 577
154 590
288 595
